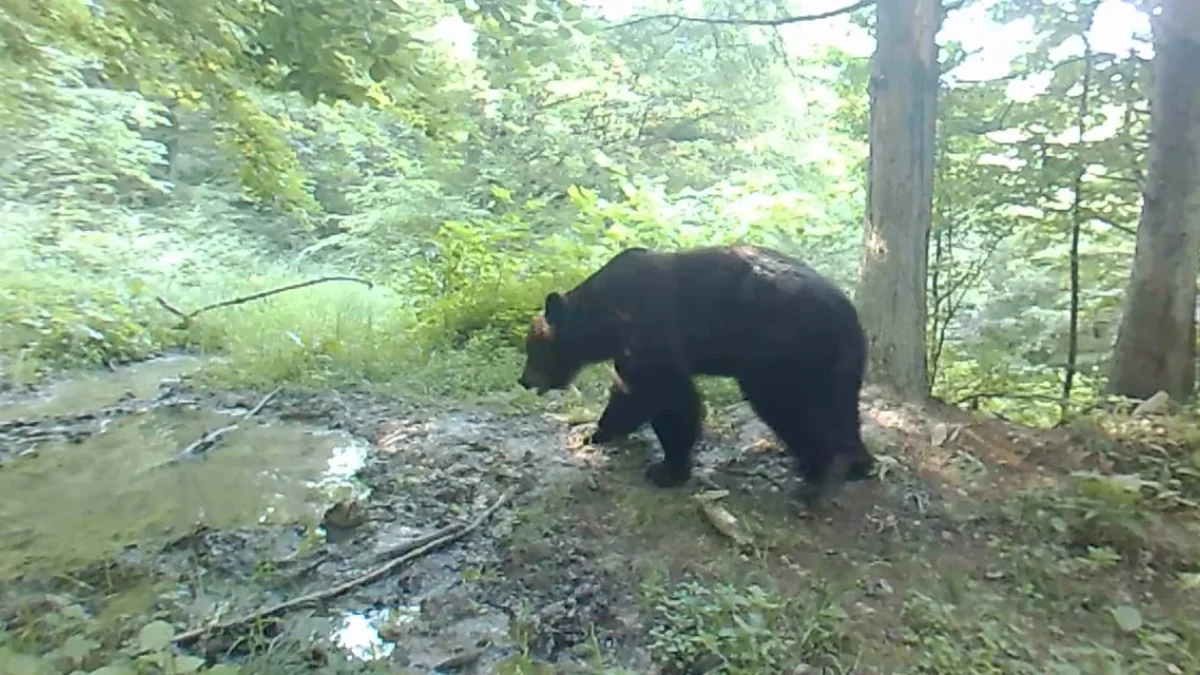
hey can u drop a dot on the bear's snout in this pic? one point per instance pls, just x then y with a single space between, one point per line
532 383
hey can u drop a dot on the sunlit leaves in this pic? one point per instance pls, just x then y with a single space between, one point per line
1006 175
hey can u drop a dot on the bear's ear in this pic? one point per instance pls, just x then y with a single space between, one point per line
556 308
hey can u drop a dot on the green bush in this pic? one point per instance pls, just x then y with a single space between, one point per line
735 630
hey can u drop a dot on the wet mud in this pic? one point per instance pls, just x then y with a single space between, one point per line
317 490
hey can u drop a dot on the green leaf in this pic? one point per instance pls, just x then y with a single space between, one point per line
188 664
114 670
502 194
223 669
155 636
77 647
1128 619
20 664
391 44
379 70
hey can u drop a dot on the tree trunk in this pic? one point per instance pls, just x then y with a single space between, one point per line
891 288
1156 341
1077 219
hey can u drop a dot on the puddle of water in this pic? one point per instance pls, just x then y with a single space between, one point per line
70 504
359 636
376 634
100 388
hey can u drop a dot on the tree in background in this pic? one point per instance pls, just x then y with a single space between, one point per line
1156 342
903 111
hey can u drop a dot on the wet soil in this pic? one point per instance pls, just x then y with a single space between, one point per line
317 489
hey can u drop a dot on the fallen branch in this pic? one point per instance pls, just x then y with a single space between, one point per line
720 517
976 398
406 547
457 532
208 440
185 318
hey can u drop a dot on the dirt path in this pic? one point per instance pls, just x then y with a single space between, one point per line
945 564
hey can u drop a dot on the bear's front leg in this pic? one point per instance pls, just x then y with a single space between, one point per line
676 419
623 415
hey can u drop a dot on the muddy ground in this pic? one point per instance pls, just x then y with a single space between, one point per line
966 554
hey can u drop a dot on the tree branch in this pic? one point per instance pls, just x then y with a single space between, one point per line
185 318
449 534
1131 231
782 21
1097 57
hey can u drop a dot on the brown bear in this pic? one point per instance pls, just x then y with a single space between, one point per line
791 338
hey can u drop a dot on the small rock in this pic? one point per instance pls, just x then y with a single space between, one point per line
345 514
880 587
940 433
459 660
1155 405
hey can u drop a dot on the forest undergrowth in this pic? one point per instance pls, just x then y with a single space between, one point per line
984 546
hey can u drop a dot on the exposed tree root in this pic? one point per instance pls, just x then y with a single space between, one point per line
408 554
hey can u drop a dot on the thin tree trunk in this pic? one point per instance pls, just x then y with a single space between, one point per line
1156 341
935 312
891 291
1076 227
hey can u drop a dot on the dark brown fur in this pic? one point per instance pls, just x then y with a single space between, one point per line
790 337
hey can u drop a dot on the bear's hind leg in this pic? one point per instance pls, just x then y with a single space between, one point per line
844 425
794 410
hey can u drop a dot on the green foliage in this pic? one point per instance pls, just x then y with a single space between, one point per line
721 628
105 326
65 638
470 158
50 318
470 185
486 280
1097 510
953 639
75 642
317 336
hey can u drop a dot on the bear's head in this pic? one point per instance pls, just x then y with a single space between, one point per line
552 360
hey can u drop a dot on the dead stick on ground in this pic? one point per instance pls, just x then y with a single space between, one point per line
204 443
375 574
185 318
404 547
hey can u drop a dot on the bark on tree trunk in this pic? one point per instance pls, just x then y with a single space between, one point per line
1156 341
891 287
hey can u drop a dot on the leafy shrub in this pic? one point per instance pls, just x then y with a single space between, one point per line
723 628
1095 510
